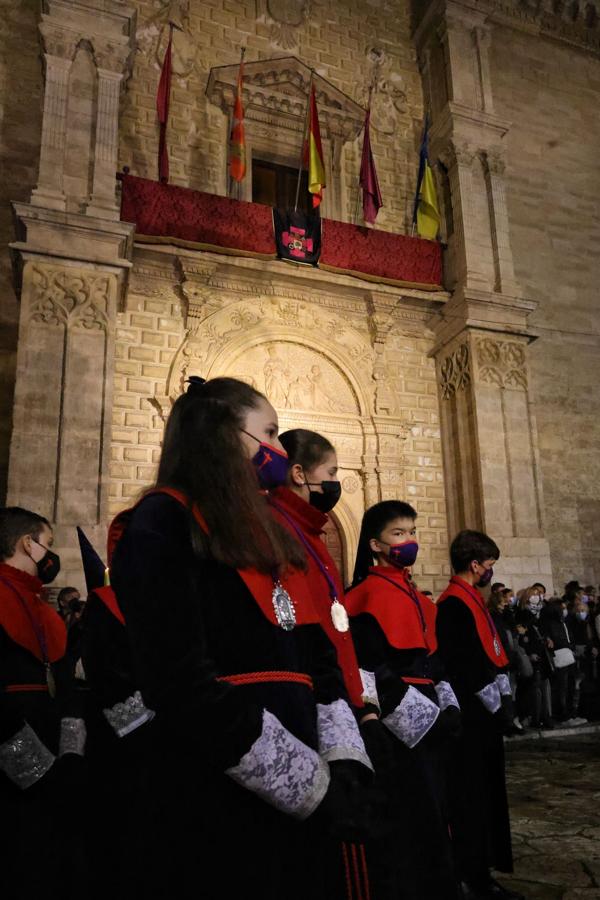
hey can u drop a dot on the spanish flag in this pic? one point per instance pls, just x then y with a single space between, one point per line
237 140
426 213
316 168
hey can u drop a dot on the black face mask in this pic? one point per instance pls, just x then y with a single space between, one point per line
48 566
324 502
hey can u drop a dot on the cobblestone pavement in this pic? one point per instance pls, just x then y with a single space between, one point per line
554 789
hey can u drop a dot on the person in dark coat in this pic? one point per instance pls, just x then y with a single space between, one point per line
256 754
537 668
476 666
554 625
393 626
42 733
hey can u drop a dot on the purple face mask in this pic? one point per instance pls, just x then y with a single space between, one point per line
486 578
403 555
270 463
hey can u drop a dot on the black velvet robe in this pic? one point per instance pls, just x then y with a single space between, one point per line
413 861
479 817
189 622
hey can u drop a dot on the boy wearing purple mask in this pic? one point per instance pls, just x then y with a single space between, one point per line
476 665
393 626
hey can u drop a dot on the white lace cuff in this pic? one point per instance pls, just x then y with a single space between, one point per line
282 770
503 683
412 718
339 735
72 736
369 688
446 696
125 717
490 697
24 758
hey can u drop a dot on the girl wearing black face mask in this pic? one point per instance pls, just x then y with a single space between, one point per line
394 629
311 491
252 734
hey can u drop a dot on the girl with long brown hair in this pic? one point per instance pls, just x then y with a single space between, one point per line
249 770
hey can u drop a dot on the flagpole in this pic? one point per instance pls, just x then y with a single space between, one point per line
306 117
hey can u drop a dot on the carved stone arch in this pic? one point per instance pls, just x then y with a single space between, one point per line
271 333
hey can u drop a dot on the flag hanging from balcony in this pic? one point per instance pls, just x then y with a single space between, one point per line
163 96
369 183
316 167
237 138
426 214
297 235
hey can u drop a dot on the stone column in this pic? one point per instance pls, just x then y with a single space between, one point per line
72 277
49 191
489 449
505 281
103 201
469 247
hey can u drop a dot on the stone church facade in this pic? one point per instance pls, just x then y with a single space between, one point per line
476 403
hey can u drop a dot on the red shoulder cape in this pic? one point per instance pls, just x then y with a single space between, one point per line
17 623
259 584
393 608
486 630
311 522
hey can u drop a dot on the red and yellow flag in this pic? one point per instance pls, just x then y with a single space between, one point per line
237 140
316 167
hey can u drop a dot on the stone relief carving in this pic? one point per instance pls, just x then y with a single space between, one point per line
502 363
295 377
455 372
285 17
350 484
388 103
69 297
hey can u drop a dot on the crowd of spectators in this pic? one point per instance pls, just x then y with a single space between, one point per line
553 644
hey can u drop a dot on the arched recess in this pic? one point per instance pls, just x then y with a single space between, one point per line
332 400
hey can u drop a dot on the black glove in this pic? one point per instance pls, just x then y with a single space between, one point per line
447 726
379 744
503 717
345 811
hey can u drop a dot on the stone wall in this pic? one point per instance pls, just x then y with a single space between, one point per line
549 92
336 39
21 87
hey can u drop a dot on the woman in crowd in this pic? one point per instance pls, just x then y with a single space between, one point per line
535 664
553 623
501 607
394 630
256 755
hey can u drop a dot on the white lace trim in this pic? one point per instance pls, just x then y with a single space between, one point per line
369 686
282 770
24 758
413 717
503 683
125 717
339 735
490 697
72 736
446 696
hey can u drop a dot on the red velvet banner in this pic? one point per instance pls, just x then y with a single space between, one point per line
164 213
380 255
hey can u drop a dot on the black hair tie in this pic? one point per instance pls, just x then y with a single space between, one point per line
196 383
